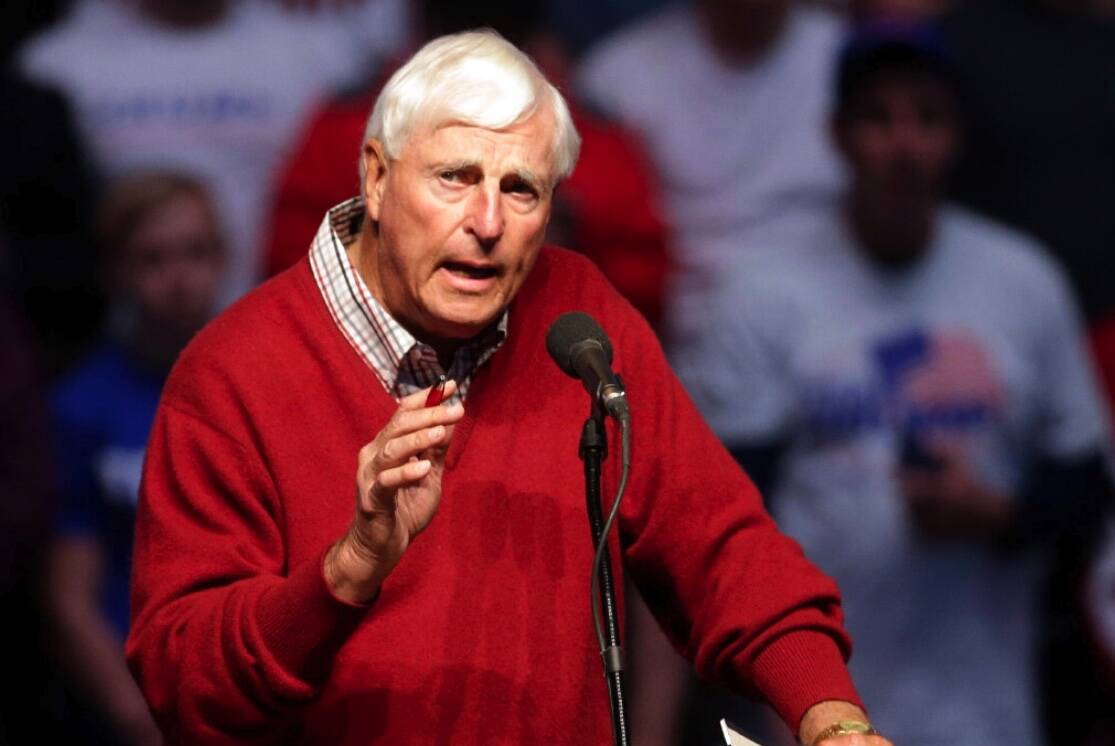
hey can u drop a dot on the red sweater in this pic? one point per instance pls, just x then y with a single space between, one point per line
482 634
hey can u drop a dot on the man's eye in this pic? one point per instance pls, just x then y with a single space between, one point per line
454 177
522 188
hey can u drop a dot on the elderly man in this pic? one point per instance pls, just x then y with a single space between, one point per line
267 609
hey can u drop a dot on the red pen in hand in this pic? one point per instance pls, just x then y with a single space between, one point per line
437 393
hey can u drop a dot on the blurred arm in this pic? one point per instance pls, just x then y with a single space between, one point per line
91 649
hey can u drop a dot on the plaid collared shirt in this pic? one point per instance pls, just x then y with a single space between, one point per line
402 363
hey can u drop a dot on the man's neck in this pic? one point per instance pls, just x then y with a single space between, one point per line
893 239
741 39
363 254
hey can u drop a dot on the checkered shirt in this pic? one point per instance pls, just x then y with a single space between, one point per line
402 363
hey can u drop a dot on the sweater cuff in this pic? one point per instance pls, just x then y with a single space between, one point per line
303 624
800 669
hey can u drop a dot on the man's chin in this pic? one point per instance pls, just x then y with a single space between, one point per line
462 318
461 326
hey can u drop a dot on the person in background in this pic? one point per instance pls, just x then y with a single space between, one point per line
162 262
607 209
218 89
919 403
729 98
1041 157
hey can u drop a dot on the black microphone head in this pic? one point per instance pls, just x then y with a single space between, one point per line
570 330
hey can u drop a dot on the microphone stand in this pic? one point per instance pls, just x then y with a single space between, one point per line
593 450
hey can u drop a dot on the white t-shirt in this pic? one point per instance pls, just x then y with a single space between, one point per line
976 347
222 103
742 153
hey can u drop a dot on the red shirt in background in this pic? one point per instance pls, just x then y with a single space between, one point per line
1103 347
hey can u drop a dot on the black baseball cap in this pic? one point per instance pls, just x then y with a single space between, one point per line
880 47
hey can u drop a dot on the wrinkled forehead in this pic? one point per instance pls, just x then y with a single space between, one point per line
526 145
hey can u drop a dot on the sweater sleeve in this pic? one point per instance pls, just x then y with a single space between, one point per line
736 597
227 642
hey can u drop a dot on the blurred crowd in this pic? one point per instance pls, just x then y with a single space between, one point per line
875 237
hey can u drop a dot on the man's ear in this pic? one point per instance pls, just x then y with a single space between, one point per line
375 176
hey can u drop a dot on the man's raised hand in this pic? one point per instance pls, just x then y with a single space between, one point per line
398 489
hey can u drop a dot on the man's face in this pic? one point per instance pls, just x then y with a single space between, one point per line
461 216
900 136
171 266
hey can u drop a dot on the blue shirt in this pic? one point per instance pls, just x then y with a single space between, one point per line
102 414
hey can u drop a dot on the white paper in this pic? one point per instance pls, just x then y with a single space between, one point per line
733 737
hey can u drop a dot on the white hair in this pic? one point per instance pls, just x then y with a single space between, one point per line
476 78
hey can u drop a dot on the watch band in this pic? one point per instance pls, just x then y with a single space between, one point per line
845 728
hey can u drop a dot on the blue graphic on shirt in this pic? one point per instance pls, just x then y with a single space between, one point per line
917 383
183 110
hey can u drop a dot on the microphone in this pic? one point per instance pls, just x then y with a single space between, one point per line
581 349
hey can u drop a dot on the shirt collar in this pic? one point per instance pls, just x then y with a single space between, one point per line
402 363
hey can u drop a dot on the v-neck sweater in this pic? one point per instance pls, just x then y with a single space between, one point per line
482 634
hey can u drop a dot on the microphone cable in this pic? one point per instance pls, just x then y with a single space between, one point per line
610 650
602 546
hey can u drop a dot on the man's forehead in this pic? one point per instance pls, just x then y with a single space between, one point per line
908 84
528 143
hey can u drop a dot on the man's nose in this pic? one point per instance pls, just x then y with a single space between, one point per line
485 218
907 134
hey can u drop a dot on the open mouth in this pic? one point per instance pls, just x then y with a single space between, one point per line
471 271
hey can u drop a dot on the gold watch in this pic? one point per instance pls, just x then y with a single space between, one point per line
845 728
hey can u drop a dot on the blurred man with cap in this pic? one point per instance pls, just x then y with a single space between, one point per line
920 408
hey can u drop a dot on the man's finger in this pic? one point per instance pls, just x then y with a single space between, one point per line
400 449
417 400
391 480
407 421
385 485
413 413
372 460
